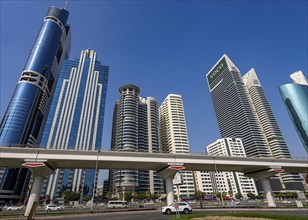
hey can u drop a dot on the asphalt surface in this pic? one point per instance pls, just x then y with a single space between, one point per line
157 215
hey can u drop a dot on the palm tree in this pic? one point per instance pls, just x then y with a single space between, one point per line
120 196
159 195
238 195
108 195
148 195
134 196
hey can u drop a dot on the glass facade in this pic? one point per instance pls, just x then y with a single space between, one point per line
26 114
295 97
75 120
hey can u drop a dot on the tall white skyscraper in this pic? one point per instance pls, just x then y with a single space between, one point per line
173 137
269 126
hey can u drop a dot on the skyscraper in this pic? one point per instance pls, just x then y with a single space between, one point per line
75 120
270 129
237 182
173 138
26 114
135 129
243 112
235 114
295 98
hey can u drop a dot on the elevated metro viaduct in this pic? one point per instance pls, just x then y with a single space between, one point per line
51 159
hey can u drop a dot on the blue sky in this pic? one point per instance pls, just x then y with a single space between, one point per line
167 47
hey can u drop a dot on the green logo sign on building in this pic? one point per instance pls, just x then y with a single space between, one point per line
218 69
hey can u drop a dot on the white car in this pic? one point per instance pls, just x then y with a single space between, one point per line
148 203
14 208
180 206
52 207
286 202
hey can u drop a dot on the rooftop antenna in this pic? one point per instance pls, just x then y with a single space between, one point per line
65 5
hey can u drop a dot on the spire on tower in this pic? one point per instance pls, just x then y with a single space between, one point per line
65 4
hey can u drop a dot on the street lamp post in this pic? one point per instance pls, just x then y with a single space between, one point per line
95 180
123 193
221 195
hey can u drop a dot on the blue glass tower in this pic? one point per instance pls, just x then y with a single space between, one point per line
295 97
26 114
75 120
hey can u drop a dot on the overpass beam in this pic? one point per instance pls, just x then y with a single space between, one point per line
169 190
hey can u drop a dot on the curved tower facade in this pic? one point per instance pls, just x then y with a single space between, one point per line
30 102
26 114
295 98
126 134
135 129
128 111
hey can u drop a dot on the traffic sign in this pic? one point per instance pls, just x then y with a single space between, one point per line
33 164
176 167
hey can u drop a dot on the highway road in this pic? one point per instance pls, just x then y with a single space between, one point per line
157 215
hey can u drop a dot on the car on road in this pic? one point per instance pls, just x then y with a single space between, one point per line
14 208
177 206
286 202
149 203
52 207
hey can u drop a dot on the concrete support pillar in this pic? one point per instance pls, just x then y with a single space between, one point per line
169 190
40 169
268 192
168 175
151 176
35 193
263 176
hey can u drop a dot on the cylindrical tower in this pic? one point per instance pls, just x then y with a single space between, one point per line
127 134
29 105
23 122
128 118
